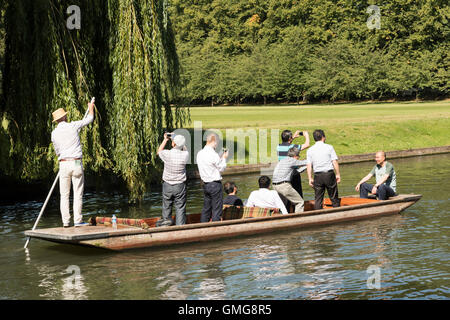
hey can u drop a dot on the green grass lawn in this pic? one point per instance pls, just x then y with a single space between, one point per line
350 128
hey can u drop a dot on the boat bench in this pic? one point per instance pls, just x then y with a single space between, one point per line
239 212
140 223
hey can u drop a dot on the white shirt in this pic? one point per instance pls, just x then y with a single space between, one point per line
265 198
210 165
321 155
66 140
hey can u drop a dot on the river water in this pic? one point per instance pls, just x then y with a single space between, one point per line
408 253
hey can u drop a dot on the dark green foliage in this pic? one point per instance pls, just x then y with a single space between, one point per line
124 55
290 50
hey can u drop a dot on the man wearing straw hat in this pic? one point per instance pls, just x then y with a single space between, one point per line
66 141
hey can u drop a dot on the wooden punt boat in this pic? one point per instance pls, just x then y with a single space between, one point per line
129 237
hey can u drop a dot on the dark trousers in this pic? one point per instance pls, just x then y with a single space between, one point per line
174 194
296 182
322 181
383 191
212 201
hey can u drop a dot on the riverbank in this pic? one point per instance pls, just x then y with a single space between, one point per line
351 128
355 130
346 159
12 193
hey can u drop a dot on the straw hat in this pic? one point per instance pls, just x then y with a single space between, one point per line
58 114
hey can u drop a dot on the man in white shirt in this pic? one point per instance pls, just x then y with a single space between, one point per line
322 158
210 165
265 198
66 141
174 177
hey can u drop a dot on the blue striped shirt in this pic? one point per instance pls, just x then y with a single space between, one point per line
282 149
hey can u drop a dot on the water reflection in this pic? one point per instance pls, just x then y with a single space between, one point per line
170 283
330 262
211 289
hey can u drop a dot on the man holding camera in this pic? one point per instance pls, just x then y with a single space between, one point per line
286 142
174 177
210 165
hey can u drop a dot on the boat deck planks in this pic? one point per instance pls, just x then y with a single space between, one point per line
81 233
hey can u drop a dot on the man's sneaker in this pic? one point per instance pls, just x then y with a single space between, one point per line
164 223
81 224
66 226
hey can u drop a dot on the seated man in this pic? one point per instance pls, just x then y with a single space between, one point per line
386 180
265 198
231 198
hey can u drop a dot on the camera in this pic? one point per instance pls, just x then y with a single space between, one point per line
301 133
169 134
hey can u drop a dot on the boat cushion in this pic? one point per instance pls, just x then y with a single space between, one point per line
232 212
238 212
140 223
255 212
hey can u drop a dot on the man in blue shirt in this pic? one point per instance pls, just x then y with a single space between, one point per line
286 142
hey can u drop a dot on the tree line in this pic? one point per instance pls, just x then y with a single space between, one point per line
247 51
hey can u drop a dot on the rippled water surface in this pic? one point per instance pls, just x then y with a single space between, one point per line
410 249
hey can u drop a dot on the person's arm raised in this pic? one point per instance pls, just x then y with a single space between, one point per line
221 164
307 141
88 119
163 144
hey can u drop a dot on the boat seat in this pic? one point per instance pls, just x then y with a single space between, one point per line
239 212
348 201
140 223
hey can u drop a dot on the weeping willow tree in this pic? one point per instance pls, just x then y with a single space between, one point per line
124 55
145 79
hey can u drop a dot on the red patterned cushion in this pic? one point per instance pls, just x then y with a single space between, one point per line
232 212
255 212
140 223
235 212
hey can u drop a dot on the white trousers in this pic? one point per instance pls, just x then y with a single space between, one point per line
292 195
71 172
